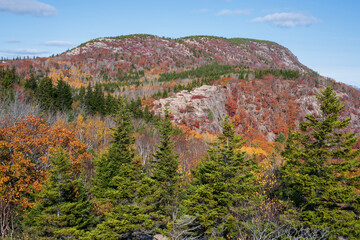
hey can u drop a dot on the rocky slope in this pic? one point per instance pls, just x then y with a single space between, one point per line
260 110
107 59
260 105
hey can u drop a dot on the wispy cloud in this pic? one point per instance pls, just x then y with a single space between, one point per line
228 12
203 10
13 41
58 43
32 7
288 19
24 51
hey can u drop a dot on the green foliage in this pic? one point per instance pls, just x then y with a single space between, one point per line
209 72
94 99
238 41
166 176
7 79
241 41
280 138
51 97
223 186
63 210
121 151
211 115
63 96
44 94
319 175
31 83
286 74
119 186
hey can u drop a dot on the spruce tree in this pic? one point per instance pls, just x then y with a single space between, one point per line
89 100
98 99
319 177
44 94
63 95
63 210
223 185
7 79
166 177
119 186
31 83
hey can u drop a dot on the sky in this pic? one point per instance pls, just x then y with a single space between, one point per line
323 34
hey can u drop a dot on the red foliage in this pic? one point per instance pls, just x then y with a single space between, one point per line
197 97
231 106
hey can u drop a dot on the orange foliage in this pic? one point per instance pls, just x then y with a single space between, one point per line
25 148
231 106
93 131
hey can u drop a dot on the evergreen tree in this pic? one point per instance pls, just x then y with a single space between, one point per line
119 186
280 138
31 83
89 100
63 95
98 100
164 170
45 94
120 151
63 210
223 185
7 79
319 174
147 114
110 104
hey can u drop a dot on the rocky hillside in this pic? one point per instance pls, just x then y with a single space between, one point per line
260 109
259 84
143 52
112 59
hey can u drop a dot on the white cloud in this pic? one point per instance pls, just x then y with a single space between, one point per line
32 7
288 19
227 12
58 43
25 51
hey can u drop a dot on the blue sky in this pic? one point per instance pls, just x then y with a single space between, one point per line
324 35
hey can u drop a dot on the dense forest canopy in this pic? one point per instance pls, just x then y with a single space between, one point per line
216 151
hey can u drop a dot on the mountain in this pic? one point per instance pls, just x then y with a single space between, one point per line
358 88
261 85
107 59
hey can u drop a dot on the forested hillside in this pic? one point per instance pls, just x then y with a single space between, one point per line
142 137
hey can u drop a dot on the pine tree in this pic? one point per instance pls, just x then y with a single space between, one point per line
63 210
223 185
319 174
119 186
164 170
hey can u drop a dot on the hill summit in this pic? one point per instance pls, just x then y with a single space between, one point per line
260 84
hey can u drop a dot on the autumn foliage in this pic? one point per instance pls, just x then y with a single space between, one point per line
25 148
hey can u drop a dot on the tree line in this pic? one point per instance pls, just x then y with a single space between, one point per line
115 196
316 194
